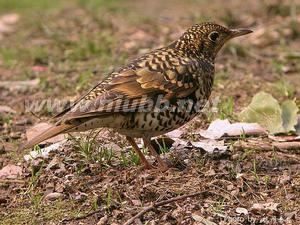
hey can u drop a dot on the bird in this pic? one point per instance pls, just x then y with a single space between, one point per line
153 94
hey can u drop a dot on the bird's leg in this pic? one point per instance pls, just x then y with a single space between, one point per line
162 165
131 141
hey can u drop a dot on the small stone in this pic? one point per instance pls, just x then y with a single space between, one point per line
240 210
81 196
53 196
186 161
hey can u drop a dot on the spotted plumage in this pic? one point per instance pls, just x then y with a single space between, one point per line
154 94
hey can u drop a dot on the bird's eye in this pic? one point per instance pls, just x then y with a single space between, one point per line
213 36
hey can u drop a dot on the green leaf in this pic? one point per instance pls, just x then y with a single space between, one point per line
289 115
264 110
298 126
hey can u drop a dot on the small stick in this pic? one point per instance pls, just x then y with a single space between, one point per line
157 204
12 181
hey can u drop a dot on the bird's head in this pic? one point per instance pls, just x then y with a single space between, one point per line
206 39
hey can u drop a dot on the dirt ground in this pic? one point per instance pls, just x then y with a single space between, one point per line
62 48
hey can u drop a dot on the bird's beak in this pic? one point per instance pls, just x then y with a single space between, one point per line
239 32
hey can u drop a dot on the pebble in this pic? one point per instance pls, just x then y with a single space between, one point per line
240 210
53 196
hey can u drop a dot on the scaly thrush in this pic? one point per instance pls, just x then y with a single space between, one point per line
154 94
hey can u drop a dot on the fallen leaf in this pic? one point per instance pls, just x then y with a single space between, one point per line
289 115
297 127
10 171
174 134
201 219
6 109
264 110
38 129
220 128
210 146
269 206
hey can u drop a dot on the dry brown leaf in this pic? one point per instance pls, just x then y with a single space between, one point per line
10 171
201 219
38 129
269 206
175 134
220 128
210 146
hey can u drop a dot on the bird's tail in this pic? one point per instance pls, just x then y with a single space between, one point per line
49 133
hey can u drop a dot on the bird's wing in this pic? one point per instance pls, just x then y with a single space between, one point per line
160 73
157 74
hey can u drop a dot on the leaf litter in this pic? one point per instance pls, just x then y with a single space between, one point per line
266 111
109 190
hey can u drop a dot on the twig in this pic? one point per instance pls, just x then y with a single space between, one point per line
157 204
12 181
